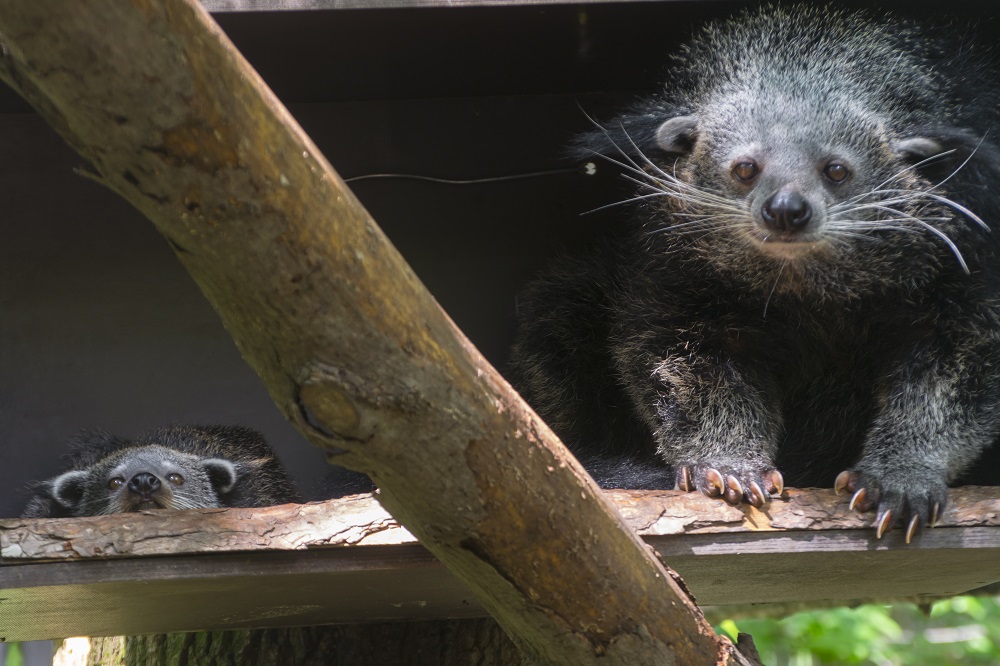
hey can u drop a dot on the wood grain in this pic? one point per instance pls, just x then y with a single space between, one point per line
346 561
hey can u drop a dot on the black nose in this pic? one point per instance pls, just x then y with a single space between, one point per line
787 211
144 483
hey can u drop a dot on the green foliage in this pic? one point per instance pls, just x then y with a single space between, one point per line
962 630
13 656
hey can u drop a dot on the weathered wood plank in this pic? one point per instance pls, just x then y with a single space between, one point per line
355 520
229 591
347 561
361 520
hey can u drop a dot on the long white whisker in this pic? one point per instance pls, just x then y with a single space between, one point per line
643 155
927 160
943 236
960 208
960 166
773 287
688 226
606 133
690 195
935 197
641 197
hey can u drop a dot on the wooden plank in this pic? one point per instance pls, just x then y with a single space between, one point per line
347 561
349 521
359 520
844 566
262 589
378 583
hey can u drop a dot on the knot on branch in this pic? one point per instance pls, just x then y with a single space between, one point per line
338 404
325 409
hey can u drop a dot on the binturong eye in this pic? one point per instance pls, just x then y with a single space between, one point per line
116 483
837 172
175 479
746 170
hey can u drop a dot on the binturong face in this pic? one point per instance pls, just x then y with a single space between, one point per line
792 184
148 477
804 175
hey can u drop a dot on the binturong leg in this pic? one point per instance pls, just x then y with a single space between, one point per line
938 412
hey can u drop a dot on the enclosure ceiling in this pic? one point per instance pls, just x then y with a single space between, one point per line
219 6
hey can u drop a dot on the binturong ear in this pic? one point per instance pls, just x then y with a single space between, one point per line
917 148
221 473
67 489
677 135
939 151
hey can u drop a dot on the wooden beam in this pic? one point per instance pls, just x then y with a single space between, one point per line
223 6
349 344
347 560
360 520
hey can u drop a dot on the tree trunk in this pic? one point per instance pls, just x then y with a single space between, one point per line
349 344
478 642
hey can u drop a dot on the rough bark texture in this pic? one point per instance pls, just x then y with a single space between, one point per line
359 520
348 342
348 561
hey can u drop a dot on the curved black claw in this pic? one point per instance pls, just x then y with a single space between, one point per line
917 500
731 483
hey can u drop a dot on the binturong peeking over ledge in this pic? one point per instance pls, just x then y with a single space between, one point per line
173 467
807 287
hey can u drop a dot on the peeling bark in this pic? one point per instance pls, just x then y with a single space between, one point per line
360 520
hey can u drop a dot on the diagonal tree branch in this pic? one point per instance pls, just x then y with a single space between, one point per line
350 345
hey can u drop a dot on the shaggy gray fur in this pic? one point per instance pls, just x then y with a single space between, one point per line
809 282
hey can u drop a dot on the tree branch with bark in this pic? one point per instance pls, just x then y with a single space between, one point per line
351 347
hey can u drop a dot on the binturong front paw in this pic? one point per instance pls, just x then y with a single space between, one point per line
917 498
733 483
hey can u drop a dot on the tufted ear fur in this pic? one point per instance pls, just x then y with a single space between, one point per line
221 473
958 147
967 161
917 148
638 135
677 135
67 488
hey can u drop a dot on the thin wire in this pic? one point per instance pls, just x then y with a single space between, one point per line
470 181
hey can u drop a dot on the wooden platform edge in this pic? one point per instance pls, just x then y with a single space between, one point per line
359 520
346 560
